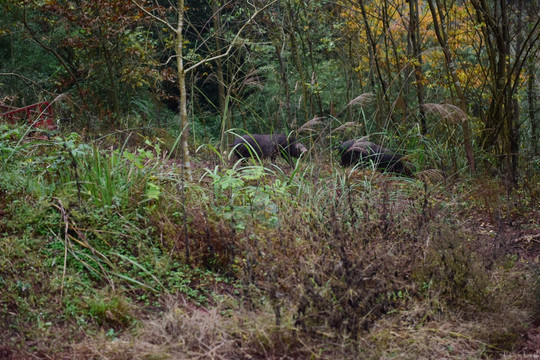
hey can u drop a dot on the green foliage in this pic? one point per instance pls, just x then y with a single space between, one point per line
255 262
110 311
242 195
111 179
319 252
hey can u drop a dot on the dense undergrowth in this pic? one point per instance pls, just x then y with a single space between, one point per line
106 252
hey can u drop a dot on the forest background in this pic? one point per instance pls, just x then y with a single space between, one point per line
148 95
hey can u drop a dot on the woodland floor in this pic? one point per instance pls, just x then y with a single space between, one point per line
526 244
524 240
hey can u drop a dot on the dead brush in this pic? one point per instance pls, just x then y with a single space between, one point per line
349 292
212 242
490 193
185 331
451 267
358 272
418 332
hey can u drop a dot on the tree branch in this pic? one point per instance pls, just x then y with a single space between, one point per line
226 53
157 18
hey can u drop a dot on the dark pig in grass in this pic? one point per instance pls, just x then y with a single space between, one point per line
268 146
363 152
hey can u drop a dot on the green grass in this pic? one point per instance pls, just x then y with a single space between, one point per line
310 262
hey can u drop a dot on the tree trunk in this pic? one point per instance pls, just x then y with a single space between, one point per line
299 68
284 83
414 32
113 87
532 88
532 96
59 57
216 13
438 24
373 47
506 60
316 95
184 128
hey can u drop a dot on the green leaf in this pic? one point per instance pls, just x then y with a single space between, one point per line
153 191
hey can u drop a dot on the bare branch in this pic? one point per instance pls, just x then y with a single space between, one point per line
157 18
233 42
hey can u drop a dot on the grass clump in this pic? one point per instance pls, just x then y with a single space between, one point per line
111 311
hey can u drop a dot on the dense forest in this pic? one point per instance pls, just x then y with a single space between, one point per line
134 226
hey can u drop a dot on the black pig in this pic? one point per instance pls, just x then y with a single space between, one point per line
268 146
363 152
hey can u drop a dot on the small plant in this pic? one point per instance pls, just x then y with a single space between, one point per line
110 311
242 195
111 178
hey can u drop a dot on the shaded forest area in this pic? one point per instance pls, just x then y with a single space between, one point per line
127 231
455 73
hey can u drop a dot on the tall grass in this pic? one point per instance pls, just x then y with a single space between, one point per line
348 264
309 261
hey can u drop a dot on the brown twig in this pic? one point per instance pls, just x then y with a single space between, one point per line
529 238
65 217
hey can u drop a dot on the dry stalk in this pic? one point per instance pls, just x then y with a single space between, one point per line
362 99
310 125
65 218
347 126
447 111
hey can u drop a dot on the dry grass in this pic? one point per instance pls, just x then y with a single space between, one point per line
185 331
447 111
362 99
314 262
311 125
378 272
348 126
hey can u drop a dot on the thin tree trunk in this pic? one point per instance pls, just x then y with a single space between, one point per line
314 96
57 56
513 149
438 25
112 84
374 60
284 83
532 97
314 77
350 78
414 32
346 58
373 47
219 74
299 68
506 61
184 128
184 124
400 97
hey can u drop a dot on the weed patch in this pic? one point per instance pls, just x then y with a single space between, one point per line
116 248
